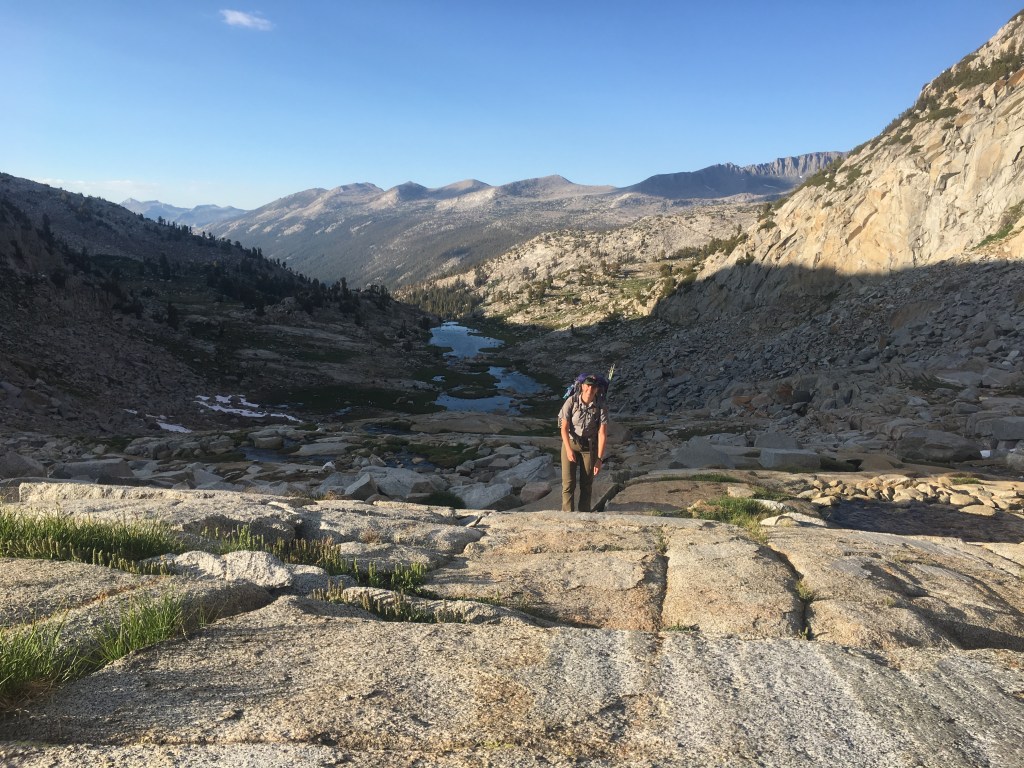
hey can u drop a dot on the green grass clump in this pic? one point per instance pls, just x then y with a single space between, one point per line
144 622
323 553
745 513
111 544
36 658
804 592
394 607
32 660
714 477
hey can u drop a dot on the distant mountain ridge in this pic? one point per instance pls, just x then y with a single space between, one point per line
411 232
726 180
199 216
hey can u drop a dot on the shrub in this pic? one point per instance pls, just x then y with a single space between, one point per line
1006 224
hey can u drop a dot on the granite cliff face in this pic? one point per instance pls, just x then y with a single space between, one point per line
944 178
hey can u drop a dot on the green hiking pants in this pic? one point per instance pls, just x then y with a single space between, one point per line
583 467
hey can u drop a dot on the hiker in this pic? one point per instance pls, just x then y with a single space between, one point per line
583 421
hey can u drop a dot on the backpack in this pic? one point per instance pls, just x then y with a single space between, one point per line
573 389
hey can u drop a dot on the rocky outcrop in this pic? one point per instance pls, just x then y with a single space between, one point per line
944 178
590 639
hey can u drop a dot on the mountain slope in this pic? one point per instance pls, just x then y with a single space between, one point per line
113 323
880 303
944 176
410 232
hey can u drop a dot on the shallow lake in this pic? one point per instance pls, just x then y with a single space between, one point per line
465 343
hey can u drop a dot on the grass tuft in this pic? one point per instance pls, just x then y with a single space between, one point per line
143 622
744 513
36 658
32 660
323 553
55 537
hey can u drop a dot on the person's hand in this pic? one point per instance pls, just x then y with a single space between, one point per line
572 456
597 466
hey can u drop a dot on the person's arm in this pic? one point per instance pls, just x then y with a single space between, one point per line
602 439
565 441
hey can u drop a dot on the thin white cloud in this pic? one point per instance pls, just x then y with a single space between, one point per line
248 20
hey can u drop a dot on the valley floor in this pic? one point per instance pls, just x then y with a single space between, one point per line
706 615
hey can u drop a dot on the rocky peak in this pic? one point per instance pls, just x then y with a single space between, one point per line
945 178
729 179
795 167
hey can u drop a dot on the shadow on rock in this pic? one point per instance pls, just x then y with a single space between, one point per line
928 520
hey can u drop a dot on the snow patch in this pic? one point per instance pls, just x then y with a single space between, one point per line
239 406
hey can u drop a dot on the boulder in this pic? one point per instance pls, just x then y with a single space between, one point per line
363 488
267 442
934 445
97 470
487 495
328 448
1015 460
535 491
15 465
536 469
776 440
699 452
1008 428
399 483
336 481
260 568
781 458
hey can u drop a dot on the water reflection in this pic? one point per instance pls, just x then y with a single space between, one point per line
495 404
463 343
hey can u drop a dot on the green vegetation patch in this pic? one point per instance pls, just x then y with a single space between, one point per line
395 607
745 513
143 622
1009 219
323 553
32 660
112 544
36 658
700 252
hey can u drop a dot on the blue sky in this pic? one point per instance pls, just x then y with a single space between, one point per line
194 102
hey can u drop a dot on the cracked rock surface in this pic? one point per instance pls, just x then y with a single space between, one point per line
645 636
